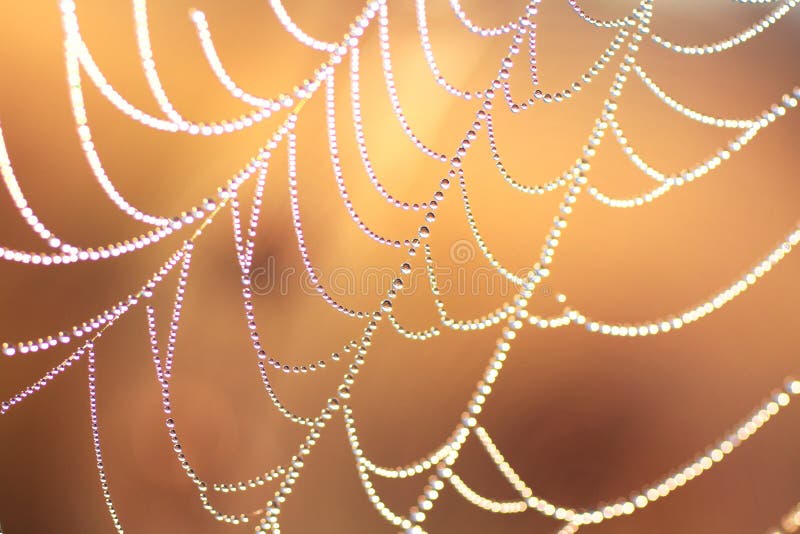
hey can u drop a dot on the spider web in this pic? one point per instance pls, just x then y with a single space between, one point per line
439 467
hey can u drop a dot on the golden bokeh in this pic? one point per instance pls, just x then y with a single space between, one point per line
584 419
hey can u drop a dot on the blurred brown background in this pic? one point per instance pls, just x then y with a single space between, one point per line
583 418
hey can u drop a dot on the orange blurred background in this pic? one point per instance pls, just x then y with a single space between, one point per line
584 419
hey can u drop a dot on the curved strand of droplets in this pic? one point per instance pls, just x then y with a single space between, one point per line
757 125
338 174
75 47
291 143
743 36
361 140
300 93
93 328
599 23
712 162
430 58
295 31
94 324
21 203
677 479
273 104
710 305
687 111
143 45
483 31
391 88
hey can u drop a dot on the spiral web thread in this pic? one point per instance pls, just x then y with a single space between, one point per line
439 465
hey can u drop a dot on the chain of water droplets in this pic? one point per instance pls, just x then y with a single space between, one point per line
514 315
